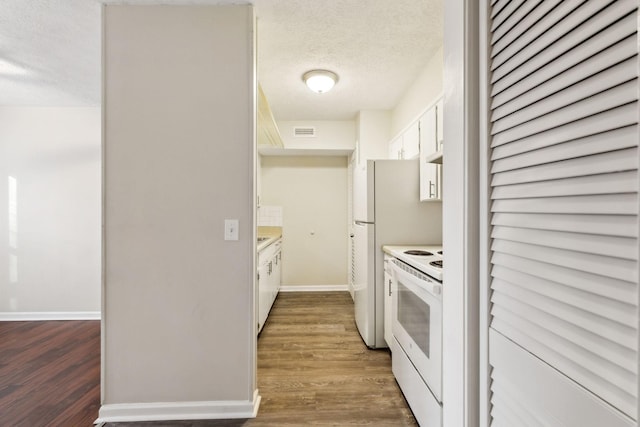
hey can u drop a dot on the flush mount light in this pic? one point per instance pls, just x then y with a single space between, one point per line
320 81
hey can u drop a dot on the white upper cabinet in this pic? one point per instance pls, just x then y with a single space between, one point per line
428 133
407 144
411 142
439 124
395 148
430 154
430 185
423 139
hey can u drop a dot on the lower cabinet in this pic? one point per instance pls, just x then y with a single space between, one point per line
388 306
263 310
269 279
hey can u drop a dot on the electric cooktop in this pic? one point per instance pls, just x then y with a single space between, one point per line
427 259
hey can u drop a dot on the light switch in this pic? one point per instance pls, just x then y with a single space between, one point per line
230 229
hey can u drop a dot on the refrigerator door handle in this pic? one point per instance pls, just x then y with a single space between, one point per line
362 223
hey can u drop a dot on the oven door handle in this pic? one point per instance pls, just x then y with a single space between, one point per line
430 286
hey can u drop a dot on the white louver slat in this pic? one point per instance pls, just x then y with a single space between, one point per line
620 204
563 138
615 97
571 30
616 75
508 89
537 38
499 5
506 11
505 103
593 184
617 311
525 16
617 139
610 162
606 121
619 247
608 225
597 284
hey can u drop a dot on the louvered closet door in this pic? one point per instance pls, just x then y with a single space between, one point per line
563 106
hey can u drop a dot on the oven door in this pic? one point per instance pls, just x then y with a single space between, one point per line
417 322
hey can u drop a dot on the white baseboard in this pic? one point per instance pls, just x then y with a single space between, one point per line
173 411
313 288
24 316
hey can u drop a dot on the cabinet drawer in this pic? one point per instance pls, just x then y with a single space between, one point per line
423 404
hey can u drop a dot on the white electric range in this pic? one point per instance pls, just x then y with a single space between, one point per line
416 322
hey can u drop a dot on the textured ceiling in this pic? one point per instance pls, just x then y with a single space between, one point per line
50 51
377 47
55 46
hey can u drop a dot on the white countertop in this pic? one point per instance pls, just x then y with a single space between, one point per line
267 242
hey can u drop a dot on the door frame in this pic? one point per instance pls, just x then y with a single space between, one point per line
484 217
461 224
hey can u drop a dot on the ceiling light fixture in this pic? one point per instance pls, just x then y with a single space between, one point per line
320 81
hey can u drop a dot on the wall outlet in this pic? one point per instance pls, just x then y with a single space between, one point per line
230 229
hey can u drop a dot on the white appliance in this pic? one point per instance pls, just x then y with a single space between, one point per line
387 210
416 295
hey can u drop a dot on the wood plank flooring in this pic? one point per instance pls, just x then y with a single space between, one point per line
313 369
49 373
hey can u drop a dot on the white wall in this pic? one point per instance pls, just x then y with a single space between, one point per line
50 218
330 135
373 133
423 92
179 158
313 194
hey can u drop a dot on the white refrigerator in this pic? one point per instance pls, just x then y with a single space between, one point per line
386 211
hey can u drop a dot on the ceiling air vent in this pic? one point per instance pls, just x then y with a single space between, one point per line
301 132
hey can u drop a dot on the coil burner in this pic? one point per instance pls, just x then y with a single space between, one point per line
418 253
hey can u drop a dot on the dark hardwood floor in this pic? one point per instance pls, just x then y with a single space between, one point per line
49 373
313 369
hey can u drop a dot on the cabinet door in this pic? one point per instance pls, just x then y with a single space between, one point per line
279 272
411 141
429 181
439 124
395 148
388 319
263 295
276 276
271 284
427 134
